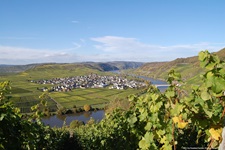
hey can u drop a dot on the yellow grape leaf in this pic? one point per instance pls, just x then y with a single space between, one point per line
163 140
179 120
175 119
216 133
182 125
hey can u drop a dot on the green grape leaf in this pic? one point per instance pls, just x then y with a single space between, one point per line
143 144
205 95
166 146
132 120
149 136
210 66
170 94
202 55
222 71
161 132
195 87
209 113
216 59
219 85
2 117
208 83
177 109
148 126
143 115
155 96
210 76
203 64
157 107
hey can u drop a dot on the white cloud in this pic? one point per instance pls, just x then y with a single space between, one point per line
113 43
19 55
108 48
131 48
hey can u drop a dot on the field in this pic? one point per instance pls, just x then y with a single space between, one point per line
25 94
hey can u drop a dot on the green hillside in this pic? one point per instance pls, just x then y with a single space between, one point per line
188 67
47 71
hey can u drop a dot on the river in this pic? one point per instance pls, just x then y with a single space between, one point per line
58 121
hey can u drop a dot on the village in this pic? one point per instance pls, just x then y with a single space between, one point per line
90 81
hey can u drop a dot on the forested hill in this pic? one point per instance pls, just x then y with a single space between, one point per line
115 65
188 67
100 66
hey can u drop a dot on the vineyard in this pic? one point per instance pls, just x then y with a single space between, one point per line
175 119
25 103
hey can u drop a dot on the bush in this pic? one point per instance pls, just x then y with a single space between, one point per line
87 107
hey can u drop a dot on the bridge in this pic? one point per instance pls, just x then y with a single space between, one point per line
161 85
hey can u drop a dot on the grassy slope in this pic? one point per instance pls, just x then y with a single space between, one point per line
188 67
24 91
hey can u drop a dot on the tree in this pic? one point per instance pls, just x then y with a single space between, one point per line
87 107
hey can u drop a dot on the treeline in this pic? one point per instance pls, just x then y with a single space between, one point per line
174 119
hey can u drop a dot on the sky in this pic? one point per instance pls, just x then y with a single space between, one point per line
41 31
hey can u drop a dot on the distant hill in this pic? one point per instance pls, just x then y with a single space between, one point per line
188 67
56 70
100 66
115 65
7 69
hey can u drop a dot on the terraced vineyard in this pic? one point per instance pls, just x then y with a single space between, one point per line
95 97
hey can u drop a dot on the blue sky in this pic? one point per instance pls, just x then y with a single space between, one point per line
108 30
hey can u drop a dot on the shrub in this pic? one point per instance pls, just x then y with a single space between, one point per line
87 107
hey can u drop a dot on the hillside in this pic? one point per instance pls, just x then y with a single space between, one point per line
100 66
115 65
188 67
122 65
59 70
7 69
